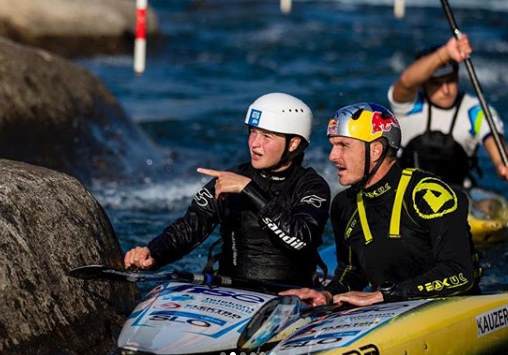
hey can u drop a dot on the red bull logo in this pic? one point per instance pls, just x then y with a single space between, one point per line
332 127
382 123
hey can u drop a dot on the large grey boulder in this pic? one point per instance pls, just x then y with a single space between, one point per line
48 224
56 114
72 27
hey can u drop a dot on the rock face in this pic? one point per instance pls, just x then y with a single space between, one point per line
72 27
56 114
48 224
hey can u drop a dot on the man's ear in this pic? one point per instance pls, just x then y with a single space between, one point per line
294 143
376 151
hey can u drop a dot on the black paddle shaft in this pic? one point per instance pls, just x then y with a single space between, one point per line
103 272
476 84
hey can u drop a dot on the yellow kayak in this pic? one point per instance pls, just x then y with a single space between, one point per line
488 217
453 325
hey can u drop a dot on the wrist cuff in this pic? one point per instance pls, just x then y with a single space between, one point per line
387 288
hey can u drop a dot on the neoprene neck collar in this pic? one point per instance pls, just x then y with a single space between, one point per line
388 182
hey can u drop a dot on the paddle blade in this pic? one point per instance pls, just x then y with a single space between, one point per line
87 272
99 272
102 272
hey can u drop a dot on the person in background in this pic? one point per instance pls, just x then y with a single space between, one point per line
271 210
442 126
400 233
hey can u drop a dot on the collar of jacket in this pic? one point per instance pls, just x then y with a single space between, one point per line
386 184
278 175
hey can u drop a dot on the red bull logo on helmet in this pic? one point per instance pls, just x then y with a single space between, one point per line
332 127
382 122
366 122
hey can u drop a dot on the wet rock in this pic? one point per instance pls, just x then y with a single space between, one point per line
56 114
72 27
48 224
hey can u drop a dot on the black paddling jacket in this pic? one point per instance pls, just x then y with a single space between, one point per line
432 255
270 231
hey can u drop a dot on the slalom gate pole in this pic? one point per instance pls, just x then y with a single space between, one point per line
140 37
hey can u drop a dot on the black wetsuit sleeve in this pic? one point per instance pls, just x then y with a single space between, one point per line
255 195
453 271
297 220
348 275
187 232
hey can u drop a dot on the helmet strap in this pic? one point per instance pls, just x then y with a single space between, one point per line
366 173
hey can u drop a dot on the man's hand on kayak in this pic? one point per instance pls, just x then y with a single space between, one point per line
138 257
226 181
358 298
309 296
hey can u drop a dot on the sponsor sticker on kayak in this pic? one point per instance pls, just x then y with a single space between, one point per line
491 321
237 307
182 316
342 329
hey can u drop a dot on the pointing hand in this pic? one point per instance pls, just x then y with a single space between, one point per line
227 182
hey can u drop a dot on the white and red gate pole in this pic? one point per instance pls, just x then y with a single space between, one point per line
140 35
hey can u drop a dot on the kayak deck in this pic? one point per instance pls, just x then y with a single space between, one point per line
488 217
454 325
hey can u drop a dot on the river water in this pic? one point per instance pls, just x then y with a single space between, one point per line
213 58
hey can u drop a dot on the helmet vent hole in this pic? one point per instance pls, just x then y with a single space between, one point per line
357 114
290 110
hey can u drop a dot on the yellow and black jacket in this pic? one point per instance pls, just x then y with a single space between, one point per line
417 240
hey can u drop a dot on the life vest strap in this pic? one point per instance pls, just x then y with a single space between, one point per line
363 218
394 231
397 205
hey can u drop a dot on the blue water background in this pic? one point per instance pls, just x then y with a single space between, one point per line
213 58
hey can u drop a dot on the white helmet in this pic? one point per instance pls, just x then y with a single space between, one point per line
281 113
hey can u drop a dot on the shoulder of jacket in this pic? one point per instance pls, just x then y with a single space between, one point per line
431 197
309 174
469 101
469 97
307 171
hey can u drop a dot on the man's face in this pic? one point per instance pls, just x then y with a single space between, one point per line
266 148
442 91
348 156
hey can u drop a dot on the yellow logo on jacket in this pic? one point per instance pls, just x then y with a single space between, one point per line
433 198
453 281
